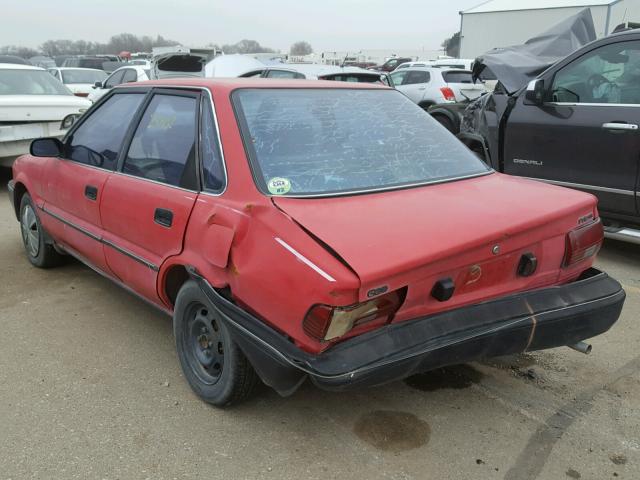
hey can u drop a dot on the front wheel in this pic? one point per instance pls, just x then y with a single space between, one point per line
215 367
39 252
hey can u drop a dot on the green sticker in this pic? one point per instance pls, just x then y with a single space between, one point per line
279 186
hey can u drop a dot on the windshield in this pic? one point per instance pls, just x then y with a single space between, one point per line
83 76
326 141
30 82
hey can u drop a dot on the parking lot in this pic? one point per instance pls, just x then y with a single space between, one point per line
91 388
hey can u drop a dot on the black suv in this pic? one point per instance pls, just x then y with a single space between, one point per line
576 125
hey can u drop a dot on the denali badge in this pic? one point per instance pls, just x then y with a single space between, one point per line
535 163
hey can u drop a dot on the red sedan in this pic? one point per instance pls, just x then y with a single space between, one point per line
302 229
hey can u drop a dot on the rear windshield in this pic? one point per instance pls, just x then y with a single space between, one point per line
30 82
457 77
331 141
83 76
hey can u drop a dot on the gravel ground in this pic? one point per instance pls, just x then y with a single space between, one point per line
90 388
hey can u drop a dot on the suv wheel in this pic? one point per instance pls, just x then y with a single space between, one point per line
215 367
39 253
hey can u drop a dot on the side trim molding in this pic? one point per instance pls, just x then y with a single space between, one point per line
586 187
103 241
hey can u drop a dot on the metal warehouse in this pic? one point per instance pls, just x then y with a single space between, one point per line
500 23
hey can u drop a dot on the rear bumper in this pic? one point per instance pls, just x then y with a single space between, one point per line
536 320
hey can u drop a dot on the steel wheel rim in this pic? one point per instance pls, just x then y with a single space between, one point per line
30 231
203 344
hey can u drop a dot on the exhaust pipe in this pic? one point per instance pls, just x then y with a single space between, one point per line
581 347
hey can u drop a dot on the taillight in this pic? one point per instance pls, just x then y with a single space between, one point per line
324 322
583 242
80 94
447 93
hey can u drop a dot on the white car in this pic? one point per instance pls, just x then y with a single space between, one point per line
79 80
33 104
431 86
127 74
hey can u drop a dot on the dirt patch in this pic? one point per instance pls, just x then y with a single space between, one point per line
392 431
455 377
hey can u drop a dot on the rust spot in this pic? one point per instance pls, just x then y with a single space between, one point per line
248 207
233 269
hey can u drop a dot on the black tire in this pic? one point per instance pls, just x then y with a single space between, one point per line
446 123
39 252
215 367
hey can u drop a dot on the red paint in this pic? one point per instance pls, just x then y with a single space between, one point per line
262 251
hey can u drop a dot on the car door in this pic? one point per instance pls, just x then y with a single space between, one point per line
75 182
585 135
147 203
414 84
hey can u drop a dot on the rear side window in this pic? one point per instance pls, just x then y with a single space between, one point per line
163 146
457 77
98 139
417 77
212 168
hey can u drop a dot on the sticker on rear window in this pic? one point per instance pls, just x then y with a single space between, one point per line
279 186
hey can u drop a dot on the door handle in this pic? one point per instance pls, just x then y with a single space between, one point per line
619 126
422 88
91 192
163 217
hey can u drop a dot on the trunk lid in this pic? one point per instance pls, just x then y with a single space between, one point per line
473 231
38 108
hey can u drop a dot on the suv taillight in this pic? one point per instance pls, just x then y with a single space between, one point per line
324 322
583 242
448 94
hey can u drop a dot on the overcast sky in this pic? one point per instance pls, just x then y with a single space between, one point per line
326 24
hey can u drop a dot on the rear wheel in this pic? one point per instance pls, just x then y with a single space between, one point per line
216 369
39 253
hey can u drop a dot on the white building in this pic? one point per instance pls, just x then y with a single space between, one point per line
500 23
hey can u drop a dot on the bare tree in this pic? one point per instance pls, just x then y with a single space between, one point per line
246 46
301 48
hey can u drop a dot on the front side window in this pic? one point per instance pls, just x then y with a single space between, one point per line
114 79
321 141
30 82
130 75
283 74
98 139
609 74
163 146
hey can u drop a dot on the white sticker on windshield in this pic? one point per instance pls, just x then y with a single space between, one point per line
279 186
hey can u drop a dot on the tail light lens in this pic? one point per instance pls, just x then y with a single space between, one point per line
79 94
583 242
324 322
448 94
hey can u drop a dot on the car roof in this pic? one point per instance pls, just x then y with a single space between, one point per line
18 66
137 68
229 84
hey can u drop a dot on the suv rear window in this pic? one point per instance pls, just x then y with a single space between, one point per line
457 77
321 141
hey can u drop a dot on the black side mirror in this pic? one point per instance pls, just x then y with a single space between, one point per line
97 85
535 92
46 147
